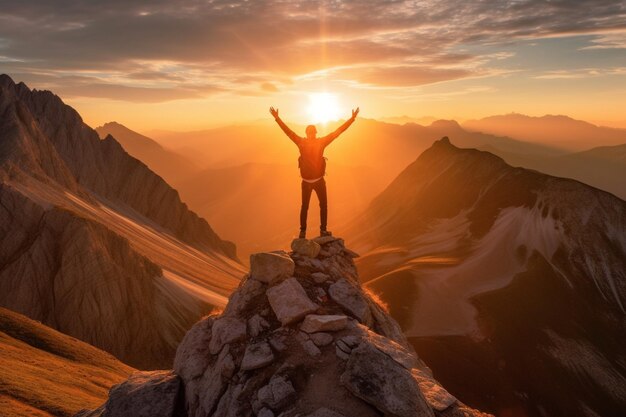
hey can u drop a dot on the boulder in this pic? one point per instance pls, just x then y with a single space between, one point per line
377 379
327 323
289 301
320 277
277 394
144 394
226 330
321 339
256 324
437 397
269 267
192 355
351 299
306 247
257 356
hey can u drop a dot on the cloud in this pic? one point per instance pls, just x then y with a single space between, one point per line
138 46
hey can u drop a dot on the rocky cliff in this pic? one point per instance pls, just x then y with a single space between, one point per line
509 282
299 337
93 243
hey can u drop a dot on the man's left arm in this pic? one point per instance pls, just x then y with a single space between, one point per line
332 136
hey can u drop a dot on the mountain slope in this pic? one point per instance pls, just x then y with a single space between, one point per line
46 373
168 164
520 273
559 131
93 243
299 337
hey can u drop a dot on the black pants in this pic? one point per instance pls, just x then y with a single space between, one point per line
320 189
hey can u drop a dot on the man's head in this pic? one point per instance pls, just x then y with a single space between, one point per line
311 132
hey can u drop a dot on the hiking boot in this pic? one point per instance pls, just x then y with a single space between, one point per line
302 234
325 233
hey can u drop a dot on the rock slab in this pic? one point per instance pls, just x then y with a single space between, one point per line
377 379
290 302
306 247
269 267
314 323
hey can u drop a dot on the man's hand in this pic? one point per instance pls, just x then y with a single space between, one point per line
354 113
274 112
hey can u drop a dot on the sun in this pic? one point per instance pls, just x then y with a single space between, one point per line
323 107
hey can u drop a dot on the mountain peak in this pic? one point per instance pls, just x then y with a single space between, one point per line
299 336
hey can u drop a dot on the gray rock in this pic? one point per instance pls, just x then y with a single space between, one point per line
311 349
277 341
317 264
144 394
341 354
256 324
257 356
351 299
289 301
323 323
226 330
321 339
269 267
192 355
248 290
320 277
436 395
377 379
343 346
278 393
212 382
305 247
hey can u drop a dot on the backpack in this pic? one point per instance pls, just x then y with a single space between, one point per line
310 170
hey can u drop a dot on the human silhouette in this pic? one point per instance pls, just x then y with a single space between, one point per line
312 166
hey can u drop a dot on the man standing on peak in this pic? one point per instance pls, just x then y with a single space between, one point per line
312 166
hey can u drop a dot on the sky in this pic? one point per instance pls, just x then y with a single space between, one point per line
189 65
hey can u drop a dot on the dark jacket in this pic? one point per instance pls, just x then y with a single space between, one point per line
312 163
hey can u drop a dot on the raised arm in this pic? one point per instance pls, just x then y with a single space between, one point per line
332 136
290 133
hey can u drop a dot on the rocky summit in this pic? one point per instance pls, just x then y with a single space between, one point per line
299 337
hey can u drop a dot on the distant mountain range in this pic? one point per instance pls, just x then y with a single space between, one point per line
518 276
93 243
558 131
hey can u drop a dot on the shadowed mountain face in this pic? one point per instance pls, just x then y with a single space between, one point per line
516 275
92 242
46 373
558 131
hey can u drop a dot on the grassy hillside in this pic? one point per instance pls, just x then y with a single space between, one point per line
46 373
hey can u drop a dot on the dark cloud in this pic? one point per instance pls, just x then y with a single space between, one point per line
185 43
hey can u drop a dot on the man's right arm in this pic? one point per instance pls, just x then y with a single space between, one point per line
290 133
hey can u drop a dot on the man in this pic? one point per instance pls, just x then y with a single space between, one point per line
312 166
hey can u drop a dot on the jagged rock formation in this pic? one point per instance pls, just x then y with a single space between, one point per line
299 339
44 372
510 283
93 243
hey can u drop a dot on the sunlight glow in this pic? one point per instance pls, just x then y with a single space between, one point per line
323 107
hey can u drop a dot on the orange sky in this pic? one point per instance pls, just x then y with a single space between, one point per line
192 65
